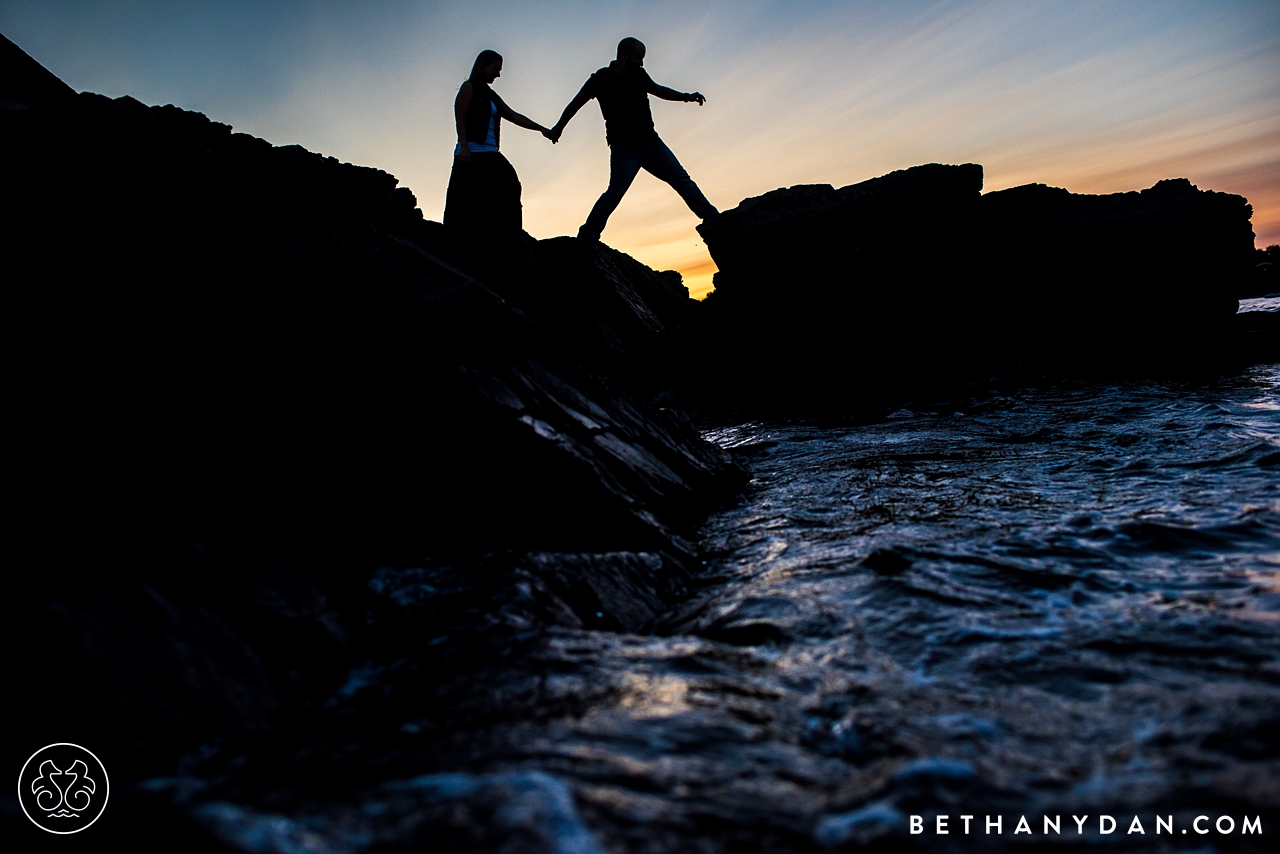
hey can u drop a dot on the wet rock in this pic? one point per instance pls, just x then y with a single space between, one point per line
499 813
530 811
618 590
612 591
861 826
886 562
240 829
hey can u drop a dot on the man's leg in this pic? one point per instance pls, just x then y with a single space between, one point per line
661 163
624 163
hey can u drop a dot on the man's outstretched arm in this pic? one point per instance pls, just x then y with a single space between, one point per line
672 95
576 104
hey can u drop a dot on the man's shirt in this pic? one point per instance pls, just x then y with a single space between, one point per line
624 102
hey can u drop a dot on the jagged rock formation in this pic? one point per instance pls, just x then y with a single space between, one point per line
917 280
622 313
247 384
868 241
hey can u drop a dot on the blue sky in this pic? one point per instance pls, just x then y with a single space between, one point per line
1091 96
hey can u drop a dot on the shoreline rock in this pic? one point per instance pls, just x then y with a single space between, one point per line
917 283
247 384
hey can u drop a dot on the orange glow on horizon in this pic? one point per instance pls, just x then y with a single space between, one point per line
697 277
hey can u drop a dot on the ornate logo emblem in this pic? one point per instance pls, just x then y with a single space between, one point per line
63 788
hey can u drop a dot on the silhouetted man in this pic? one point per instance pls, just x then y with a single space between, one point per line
623 89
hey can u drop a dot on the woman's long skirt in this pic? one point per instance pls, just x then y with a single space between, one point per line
484 197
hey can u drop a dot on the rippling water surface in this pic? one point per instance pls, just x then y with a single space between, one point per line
1064 601
1061 599
1036 519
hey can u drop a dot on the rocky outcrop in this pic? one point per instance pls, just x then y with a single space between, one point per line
917 280
25 82
610 308
870 241
1165 254
250 379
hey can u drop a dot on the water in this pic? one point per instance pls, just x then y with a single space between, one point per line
1064 601
1060 601
1271 302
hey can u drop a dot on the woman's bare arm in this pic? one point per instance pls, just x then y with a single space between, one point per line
515 118
460 105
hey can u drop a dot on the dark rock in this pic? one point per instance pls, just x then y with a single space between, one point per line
618 590
858 243
614 591
886 562
526 812
1166 255
914 283
823 296
25 82
611 309
246 384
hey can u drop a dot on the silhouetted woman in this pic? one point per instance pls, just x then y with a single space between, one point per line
484 192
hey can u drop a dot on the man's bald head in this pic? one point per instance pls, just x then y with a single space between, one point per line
630 47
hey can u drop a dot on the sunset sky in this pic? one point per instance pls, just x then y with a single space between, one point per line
1096 97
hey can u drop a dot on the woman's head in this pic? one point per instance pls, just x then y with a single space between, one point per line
487 67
